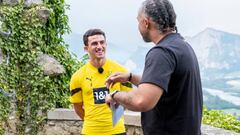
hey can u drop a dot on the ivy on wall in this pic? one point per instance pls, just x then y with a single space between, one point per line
4 107
219 119
20 74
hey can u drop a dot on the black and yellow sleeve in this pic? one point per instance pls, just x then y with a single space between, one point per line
126 86
75 89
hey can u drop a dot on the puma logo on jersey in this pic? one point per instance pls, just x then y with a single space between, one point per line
89 79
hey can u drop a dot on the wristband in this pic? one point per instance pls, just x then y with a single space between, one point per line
130 77
113 93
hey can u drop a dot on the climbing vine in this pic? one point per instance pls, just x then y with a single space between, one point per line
32 92
218 118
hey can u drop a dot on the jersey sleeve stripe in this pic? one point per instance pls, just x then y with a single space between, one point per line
127 84
74 91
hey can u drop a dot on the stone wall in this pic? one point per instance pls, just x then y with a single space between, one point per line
51 67
66 122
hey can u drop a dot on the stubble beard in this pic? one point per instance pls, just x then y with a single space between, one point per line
145 37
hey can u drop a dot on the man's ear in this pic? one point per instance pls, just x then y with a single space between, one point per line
146 22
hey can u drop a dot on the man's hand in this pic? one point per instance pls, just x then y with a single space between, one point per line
117 77
109 100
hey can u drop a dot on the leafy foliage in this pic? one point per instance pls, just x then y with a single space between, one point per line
20 72
217 118
4 111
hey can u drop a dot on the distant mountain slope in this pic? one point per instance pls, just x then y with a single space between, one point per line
218 52
138 58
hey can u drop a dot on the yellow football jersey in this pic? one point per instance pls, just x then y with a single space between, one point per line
87 85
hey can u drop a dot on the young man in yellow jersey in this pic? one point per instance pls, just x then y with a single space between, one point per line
88 89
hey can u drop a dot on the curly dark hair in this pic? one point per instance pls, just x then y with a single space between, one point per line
162 13
92 32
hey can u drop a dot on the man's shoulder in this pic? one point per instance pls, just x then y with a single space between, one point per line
116 65
171 40
80 72
172 44
113 62
160 51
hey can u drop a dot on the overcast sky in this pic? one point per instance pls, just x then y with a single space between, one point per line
118 17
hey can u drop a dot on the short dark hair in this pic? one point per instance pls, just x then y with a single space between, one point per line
162 13
92 32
